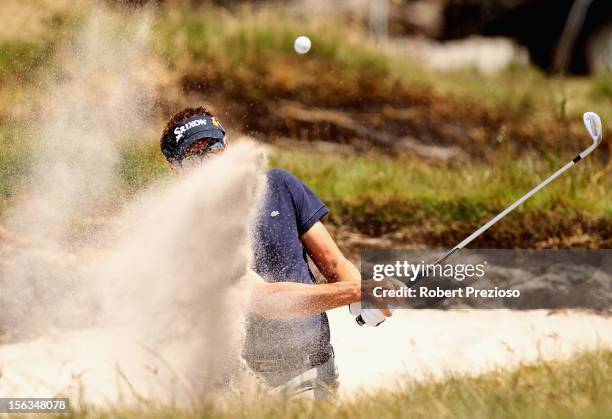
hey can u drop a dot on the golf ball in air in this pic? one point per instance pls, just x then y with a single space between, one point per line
302 45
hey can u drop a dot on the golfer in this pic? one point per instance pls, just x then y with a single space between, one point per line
287 331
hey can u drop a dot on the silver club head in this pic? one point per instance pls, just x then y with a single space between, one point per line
592 121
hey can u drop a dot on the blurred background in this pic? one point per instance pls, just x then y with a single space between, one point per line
415 121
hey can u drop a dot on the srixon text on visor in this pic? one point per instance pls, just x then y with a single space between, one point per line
179 131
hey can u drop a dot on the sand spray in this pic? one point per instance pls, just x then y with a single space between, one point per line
153 304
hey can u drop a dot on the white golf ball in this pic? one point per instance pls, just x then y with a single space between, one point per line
302 45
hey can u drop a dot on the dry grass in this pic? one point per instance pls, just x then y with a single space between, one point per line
576 388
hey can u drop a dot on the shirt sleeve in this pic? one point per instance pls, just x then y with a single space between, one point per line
309 208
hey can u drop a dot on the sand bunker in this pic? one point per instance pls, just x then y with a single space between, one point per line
430 343
104 368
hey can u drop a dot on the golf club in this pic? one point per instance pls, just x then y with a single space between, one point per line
595 129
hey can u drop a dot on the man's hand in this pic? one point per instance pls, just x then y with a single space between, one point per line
334 266
382 303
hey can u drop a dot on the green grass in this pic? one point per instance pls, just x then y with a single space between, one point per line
405 190
141 163
18 58
214 36
439 203
33 46
251 57
408 191
13 161
246 47
575 388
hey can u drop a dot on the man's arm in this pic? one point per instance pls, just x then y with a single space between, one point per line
282 300
324 252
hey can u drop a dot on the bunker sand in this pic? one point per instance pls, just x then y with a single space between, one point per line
107 368
423 344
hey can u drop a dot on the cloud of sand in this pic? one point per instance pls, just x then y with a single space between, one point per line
177 278
100 94
171 276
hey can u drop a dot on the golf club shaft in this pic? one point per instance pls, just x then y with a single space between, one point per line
505 212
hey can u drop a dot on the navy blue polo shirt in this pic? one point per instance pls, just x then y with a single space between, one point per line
289 210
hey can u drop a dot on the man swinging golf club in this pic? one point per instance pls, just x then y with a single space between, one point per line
287 334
